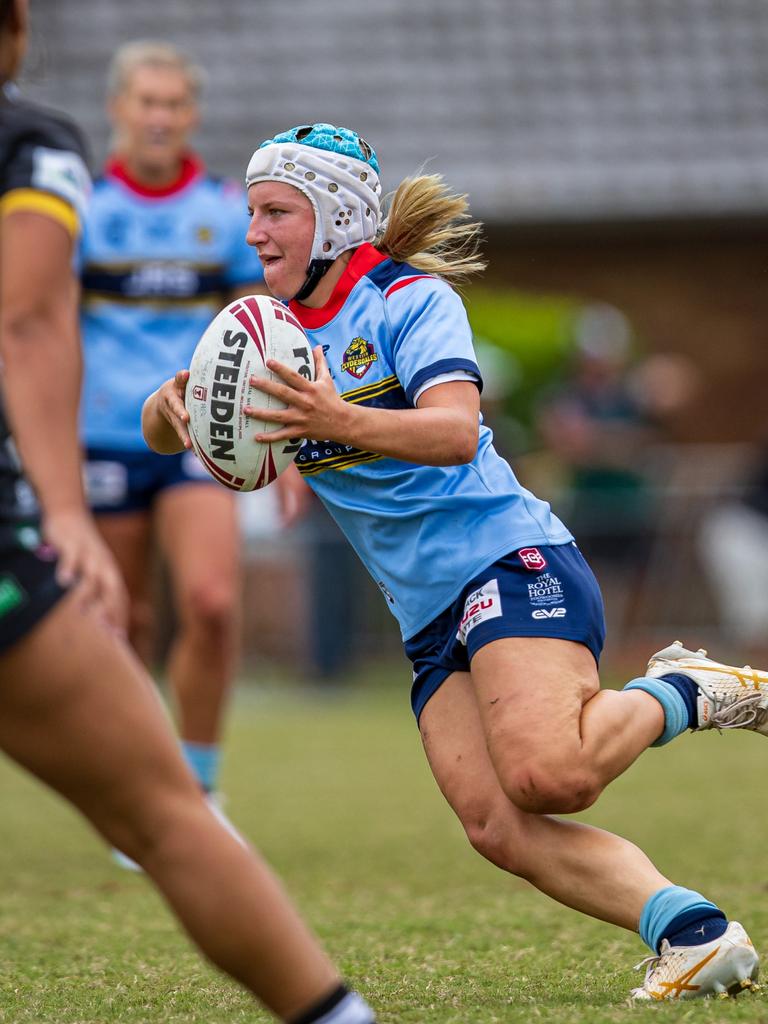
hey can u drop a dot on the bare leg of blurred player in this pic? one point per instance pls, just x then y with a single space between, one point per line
129 538
198 533
78 712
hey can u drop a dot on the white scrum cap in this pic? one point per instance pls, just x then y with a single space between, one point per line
337 171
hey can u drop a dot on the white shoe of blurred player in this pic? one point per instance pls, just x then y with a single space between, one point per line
214 801
726 966
729 697
124 861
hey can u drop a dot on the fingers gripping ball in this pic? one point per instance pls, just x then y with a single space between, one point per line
235 347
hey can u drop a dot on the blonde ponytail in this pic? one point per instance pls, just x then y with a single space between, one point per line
429 227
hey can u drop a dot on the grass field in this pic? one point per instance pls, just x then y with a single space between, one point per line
336 792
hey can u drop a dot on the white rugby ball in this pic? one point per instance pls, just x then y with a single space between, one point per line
235 347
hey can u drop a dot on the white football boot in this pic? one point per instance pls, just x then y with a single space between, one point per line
724 967
728 698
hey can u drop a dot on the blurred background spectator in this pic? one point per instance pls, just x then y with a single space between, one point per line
618 153
599 423
162 249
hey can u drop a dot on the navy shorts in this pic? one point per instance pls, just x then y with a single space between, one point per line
129 481
28 587
536 591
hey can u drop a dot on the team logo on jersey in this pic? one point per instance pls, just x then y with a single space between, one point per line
204 234
116 229
532 559
481 604
548 613
359 358
63 173
546 589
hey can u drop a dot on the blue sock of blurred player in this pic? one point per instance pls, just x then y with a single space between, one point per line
204 759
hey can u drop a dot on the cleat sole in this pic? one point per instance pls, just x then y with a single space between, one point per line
745 985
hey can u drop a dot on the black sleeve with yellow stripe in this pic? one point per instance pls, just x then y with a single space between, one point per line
42 164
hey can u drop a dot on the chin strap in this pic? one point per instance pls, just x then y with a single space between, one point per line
316 270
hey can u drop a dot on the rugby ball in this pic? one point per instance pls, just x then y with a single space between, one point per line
235 347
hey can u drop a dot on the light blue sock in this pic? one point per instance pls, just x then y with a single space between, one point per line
204 760
672 703
664 906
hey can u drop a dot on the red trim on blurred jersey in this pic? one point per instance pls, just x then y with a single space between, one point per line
363 261
191 168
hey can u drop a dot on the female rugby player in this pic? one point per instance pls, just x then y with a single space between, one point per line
500 615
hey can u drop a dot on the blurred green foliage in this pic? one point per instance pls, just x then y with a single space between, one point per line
534 335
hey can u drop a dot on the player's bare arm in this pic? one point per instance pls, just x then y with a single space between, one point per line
40 351
164 418
441 431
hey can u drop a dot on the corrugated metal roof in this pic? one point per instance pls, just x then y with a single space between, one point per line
543 110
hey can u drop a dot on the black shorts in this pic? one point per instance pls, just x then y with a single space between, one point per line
28 587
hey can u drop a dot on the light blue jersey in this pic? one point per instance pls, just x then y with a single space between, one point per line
421 531
156 268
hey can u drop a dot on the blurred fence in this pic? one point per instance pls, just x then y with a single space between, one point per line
680 591
309 605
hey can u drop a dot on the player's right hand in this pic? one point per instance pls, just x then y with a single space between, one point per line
168 404
86 564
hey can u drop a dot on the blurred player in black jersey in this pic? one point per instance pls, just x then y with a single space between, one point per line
76 709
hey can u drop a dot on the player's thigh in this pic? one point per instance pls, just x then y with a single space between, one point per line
119 487
78 711
530 694
198 530
455 745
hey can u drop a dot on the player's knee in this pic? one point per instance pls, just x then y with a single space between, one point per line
492 835
148 830
211 611
140 617
549 787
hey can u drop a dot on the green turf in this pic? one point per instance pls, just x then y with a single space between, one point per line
336 792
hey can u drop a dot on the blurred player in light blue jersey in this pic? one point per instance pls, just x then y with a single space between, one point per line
500 614
163 249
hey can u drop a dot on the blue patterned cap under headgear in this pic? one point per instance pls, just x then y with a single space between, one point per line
338 172
329 138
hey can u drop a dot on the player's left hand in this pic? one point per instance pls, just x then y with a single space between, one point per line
86 564
314 408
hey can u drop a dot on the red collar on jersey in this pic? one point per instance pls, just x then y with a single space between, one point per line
363 261
191 167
